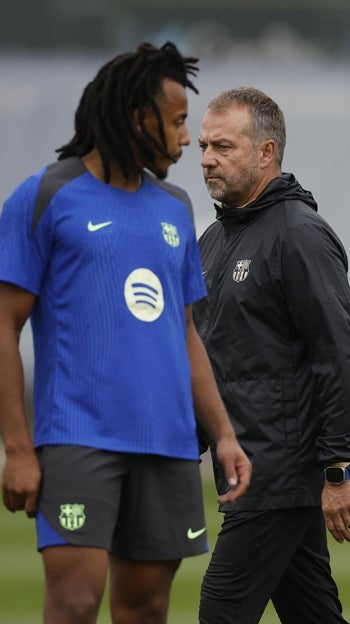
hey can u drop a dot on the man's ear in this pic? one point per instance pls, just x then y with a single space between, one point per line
267 152
146 114
136 117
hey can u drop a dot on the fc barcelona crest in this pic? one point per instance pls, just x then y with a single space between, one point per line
241 270
72 516
170 234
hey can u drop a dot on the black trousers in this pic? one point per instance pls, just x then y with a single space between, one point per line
280 555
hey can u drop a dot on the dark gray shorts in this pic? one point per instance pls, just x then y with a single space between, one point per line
142 507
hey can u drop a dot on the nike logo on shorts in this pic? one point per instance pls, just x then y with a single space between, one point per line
193 534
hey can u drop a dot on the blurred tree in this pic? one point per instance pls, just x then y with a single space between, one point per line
114 24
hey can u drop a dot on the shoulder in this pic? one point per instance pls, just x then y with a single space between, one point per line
171 189
54 177
299 212
22 199
302 220
310 234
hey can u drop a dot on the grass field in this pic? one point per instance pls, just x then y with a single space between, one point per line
21 577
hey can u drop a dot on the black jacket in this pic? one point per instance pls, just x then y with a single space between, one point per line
276 325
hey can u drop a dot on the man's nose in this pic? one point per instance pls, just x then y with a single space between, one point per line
185 138
208 158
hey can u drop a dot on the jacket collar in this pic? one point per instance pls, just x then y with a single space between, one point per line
283 188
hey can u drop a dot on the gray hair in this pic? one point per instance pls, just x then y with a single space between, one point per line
267 119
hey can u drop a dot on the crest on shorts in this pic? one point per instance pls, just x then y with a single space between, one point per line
170 234
72 516
241 270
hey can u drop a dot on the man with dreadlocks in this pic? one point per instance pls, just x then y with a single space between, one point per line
101 255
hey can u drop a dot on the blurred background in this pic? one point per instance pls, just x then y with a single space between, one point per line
298 51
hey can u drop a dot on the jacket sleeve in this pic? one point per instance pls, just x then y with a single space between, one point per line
203 438
316 290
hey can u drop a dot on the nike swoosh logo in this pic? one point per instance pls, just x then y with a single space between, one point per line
93 227
193 534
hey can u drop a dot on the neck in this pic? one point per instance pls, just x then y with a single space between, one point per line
259 188
93 163
225 206
248 202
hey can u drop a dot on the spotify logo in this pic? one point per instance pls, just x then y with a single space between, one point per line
143 294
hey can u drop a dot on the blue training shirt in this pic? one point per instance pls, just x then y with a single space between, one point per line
113 271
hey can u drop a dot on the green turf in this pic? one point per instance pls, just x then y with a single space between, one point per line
21 576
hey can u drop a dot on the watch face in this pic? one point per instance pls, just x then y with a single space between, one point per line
335 475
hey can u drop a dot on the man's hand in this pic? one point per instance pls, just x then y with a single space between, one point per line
21 480
237 468
336 510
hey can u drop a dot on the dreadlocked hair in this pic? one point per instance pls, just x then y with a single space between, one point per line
129 82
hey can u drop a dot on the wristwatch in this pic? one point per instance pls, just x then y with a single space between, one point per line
337 475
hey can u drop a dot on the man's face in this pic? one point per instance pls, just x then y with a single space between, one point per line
230 161
173 107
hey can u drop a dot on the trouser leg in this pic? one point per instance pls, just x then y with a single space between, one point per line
307 593
245 567
251 556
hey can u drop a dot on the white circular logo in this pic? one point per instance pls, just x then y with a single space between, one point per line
143 294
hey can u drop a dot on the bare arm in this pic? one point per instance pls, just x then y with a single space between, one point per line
21 474
212 414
